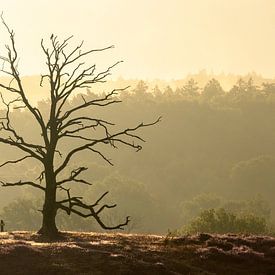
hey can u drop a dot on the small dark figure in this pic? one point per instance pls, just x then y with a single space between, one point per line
2 224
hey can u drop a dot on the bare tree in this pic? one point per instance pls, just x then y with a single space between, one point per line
66 74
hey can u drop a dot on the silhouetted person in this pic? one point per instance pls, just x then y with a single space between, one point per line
2 224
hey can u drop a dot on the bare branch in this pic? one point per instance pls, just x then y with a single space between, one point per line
12 62
73 177
105 140
22 183
77 202
59 123
105 101
41 176
24 147
99 153
100 199
15 161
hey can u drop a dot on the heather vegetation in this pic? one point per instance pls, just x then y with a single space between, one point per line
211 159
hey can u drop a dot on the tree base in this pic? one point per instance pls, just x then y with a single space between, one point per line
49 233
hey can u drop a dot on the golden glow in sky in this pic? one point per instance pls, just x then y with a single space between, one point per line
155 38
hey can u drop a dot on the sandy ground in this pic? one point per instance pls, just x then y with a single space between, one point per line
97 253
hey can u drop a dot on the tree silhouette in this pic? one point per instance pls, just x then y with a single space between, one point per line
190 88
66 74
212 88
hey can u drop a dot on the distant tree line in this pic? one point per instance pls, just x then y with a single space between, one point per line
210 141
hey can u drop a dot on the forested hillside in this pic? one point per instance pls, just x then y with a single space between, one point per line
213 148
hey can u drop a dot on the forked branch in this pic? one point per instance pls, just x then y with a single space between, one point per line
78 207
73 177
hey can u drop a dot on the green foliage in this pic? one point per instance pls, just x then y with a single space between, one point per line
193 207
222 221
258 206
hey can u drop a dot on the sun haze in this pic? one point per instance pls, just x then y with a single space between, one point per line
156 39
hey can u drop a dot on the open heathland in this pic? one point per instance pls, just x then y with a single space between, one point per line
99 253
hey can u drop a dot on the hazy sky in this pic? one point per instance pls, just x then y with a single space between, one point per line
155 38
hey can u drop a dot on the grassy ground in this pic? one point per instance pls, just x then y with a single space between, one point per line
96 253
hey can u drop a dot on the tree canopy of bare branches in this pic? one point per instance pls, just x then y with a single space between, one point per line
66 73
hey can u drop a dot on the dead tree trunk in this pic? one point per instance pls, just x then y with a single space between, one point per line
64 121
49 208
